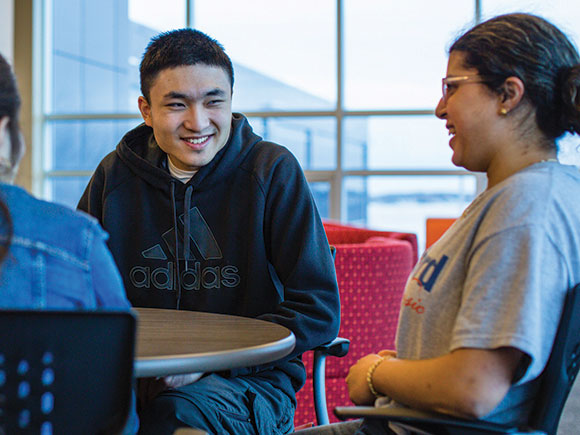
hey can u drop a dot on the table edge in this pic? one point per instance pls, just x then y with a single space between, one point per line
247 357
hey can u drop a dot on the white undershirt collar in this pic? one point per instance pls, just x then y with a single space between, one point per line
180 174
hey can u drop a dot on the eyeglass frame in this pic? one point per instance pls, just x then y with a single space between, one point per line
445 81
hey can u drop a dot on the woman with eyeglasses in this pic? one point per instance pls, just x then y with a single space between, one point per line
481 308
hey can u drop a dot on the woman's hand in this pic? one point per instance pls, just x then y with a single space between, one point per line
388 353
356 380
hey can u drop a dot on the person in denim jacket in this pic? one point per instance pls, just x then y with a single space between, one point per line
50 256
56 258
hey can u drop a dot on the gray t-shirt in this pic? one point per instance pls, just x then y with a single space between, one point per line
499 275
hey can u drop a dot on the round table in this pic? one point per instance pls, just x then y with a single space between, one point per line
173 342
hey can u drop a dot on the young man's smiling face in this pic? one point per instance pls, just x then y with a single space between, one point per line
190 111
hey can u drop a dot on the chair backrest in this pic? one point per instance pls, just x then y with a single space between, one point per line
435 228
339 234
560 372
65 371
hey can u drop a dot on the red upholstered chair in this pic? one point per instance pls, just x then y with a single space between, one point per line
372 268
338 233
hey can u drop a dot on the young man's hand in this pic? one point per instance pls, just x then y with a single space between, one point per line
149 388
176 381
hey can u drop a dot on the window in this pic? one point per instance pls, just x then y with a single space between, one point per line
349 87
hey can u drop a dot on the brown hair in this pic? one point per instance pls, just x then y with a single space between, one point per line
9 107
540 55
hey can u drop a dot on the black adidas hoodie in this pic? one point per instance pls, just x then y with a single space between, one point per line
248 238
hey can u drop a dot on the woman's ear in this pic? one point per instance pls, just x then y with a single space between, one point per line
8 161
512 93
4 134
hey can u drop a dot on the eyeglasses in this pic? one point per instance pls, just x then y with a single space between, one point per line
449 83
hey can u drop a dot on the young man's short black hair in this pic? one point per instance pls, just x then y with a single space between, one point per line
179 48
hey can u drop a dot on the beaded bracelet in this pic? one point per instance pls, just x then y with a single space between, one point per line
370 376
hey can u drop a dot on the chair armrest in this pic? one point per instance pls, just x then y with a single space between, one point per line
337 347
428 422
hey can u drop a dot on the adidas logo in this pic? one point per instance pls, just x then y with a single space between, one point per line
194 278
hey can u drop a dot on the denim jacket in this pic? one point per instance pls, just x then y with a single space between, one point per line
57 258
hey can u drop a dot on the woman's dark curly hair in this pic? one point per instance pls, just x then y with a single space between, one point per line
9 107
540 55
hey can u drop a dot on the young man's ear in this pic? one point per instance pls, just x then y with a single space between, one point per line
513 90
145 109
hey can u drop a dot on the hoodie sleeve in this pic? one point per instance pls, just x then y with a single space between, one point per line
92 200
107 282
300 256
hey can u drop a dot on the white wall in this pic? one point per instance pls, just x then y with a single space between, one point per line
7 29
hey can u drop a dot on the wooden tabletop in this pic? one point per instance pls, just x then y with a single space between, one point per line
174 342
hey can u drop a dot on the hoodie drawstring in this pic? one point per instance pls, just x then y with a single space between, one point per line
186 225
175 232
186 232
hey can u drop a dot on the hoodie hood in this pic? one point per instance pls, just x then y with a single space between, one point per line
139 150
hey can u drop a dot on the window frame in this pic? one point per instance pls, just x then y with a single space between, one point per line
38 176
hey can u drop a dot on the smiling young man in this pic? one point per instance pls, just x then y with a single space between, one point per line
205 215
190 113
